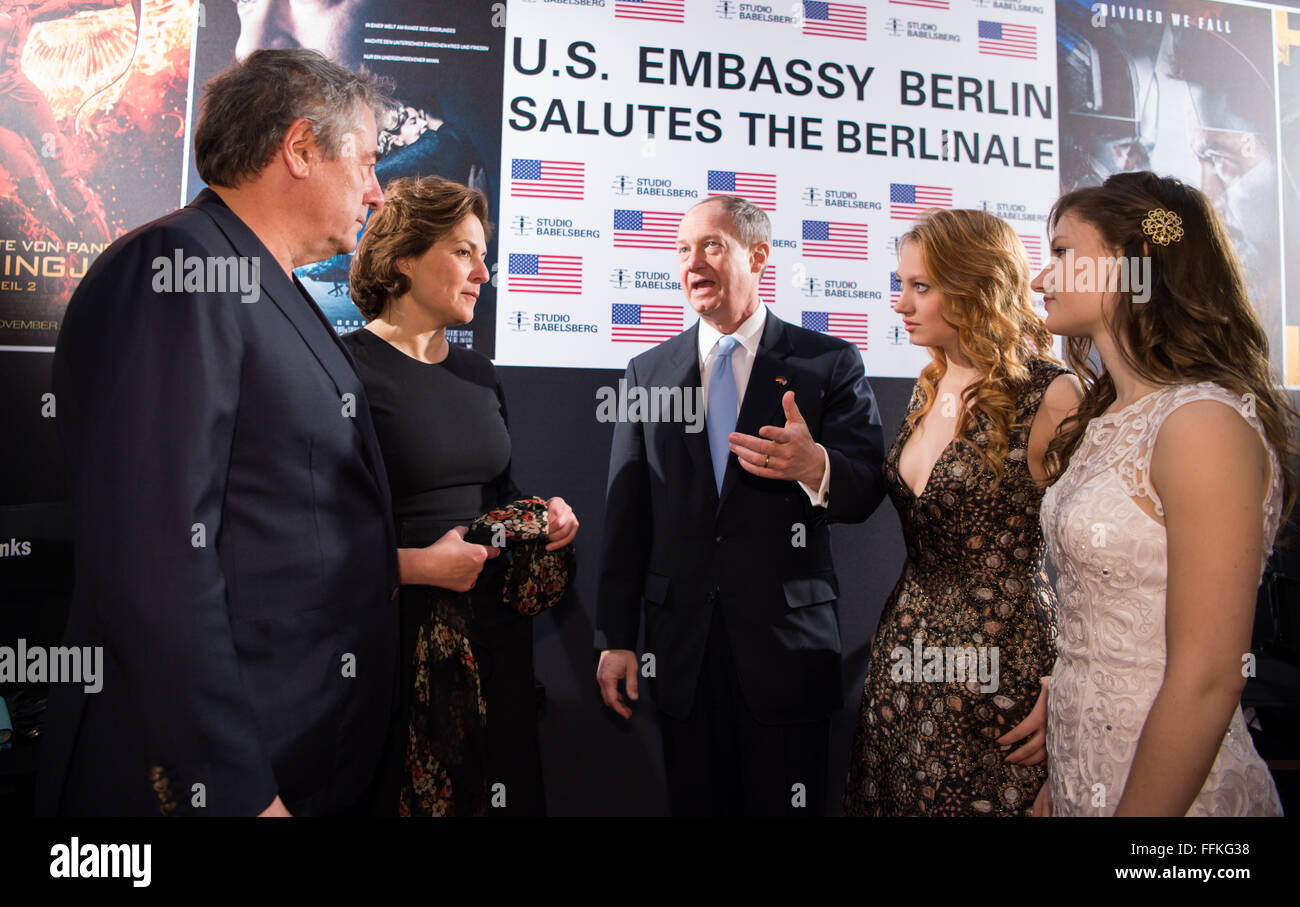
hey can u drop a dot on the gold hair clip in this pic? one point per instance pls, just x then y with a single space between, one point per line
1164 227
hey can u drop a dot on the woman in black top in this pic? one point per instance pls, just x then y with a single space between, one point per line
468 708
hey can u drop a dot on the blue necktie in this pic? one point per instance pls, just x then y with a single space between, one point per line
721 417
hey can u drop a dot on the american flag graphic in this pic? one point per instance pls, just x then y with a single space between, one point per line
632 323
831 239
531 178
544 273
908 202
895 289
759 188
653 10
767 284
928 4
835 20
998 39
645 229
1034 246
844 325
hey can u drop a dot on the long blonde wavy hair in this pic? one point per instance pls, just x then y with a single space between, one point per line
1197 325
979 265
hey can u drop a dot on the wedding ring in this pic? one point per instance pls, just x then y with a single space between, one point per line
767 458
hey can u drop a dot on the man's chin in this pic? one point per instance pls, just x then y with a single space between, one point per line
707 305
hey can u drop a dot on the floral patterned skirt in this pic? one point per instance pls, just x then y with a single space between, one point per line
444 768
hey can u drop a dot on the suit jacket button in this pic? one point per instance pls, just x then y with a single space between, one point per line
720 540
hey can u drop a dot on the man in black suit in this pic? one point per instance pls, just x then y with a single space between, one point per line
234 548
724 534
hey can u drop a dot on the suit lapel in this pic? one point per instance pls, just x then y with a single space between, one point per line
762 403
286 294
684 372
293 301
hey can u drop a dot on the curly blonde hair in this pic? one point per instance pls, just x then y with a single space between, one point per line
979 265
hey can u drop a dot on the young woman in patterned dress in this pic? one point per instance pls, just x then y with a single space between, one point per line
937 726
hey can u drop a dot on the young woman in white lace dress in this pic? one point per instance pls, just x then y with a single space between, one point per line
1169 485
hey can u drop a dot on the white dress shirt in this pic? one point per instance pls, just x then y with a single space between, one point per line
748 336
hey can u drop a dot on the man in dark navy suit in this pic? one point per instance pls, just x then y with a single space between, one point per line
234 550
724 534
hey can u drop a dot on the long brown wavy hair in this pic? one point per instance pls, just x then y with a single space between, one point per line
1197 325
979 265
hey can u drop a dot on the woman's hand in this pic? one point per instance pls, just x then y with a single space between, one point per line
562 524
450 563
1034 731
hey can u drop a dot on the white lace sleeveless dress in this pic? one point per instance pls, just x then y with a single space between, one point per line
1111 559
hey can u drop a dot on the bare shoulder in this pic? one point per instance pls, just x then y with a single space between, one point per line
1060 399
1209 428
1063 394
1207 443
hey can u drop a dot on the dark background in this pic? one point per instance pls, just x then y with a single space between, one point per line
595 763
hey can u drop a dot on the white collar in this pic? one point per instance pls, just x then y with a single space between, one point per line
747 335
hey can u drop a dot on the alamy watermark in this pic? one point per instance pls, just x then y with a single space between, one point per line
1094 274
651 404
59 664
181 273
76 860
945 664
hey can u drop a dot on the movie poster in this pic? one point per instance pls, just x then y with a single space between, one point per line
445 60
1183 88
92 134
1287 27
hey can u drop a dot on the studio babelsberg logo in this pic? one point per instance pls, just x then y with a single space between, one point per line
565 227
1011 211
927 31
894 27
518 321
848 289
757 12
814 287
1011 5
562 323
631 279
521 225
655 280
652 187
815 196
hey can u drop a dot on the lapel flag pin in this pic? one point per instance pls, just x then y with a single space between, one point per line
782 381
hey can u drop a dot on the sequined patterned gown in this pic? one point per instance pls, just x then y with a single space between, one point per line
1111 557
974 580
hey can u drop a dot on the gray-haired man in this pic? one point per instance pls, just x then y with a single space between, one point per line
724 535
234 548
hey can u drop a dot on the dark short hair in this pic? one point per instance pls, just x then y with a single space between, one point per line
751 222
248 108
416 214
